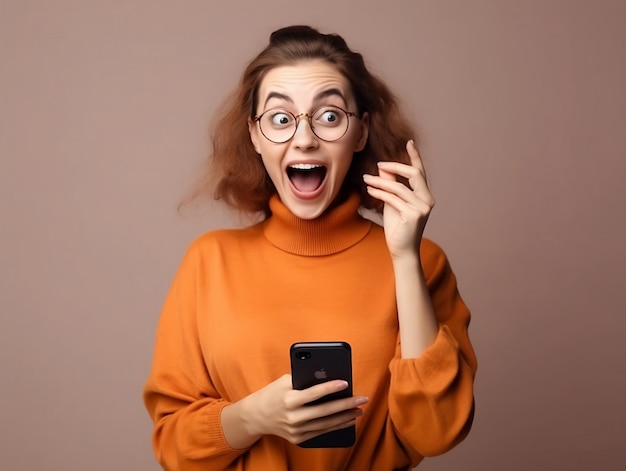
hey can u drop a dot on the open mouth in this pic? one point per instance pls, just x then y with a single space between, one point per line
306 178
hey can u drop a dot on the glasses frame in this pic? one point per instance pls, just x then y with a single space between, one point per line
296 117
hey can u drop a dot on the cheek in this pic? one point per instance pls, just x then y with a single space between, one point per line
271 162
344 160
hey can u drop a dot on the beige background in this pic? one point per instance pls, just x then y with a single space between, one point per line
522 114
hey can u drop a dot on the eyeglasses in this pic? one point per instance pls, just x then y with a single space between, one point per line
329 123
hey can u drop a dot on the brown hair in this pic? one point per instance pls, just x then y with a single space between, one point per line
235 172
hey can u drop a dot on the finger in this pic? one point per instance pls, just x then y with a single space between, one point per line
407 171
414 155
320 390
337 421
390 185
418 163
331 412
417 180
415 176
315 429
398 168
386 174
417 207
408 195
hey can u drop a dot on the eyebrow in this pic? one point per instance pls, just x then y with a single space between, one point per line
318 97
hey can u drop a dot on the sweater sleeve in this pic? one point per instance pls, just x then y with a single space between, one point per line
431 401
179 394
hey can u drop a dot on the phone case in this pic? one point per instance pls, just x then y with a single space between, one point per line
317 362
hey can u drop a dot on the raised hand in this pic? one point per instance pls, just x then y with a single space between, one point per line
406 209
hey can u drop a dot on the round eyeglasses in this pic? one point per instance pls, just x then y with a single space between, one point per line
329 123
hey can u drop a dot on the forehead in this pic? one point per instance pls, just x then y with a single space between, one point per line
303 82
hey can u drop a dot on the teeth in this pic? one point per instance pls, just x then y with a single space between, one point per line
305 166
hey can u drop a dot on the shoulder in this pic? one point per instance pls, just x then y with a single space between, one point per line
220 241
224 236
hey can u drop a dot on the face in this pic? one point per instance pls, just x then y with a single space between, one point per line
307 172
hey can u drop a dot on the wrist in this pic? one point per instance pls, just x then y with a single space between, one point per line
238 426
248 417
406 260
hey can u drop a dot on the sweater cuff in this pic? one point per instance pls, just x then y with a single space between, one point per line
434 370
215 432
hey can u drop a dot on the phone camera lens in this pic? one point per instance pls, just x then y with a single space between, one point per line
304 355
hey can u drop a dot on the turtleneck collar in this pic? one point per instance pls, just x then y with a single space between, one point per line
337 229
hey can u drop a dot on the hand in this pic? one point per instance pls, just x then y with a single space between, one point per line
406 210
278 409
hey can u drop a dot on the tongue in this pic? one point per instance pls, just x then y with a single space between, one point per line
307 180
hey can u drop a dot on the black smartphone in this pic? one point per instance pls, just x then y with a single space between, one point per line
317 362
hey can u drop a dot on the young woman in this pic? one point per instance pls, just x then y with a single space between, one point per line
309 137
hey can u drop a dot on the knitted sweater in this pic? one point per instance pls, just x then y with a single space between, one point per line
241 297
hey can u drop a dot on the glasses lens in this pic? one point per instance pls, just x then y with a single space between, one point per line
329 123
278 125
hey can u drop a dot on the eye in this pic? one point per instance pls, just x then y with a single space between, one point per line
280 118
328 116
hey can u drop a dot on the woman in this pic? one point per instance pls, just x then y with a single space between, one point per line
309 136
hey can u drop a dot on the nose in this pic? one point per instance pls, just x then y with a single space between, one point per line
304 137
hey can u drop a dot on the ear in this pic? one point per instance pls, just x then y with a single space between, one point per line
253 129
365 128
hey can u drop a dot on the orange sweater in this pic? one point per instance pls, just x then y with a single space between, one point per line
242 297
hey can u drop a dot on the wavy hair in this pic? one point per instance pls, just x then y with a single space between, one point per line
236 174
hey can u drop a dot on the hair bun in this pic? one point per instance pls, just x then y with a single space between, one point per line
295 32
298 34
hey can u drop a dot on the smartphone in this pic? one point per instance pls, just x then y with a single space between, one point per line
317 362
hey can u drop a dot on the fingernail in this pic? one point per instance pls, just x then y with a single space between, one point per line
361 400
366 176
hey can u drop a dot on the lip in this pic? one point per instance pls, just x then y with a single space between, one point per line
311 194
